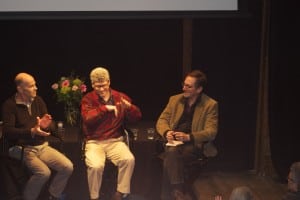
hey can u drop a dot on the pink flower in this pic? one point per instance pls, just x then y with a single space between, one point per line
83 88
54 86
69 90
65 83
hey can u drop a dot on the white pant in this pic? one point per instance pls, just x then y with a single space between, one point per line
39 159
96 152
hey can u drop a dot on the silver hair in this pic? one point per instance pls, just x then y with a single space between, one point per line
295 169
241 193
99 74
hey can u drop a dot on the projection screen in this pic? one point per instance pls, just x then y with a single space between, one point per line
117 5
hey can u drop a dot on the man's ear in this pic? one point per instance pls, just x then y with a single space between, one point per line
19 89
199 89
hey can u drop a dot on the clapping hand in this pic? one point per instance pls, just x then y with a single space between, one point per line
36 130
218 197
45 121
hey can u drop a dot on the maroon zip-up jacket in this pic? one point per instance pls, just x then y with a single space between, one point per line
100 124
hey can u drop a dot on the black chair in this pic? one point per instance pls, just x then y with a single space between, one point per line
13 173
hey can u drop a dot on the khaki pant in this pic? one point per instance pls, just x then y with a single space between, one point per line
96 152
39 159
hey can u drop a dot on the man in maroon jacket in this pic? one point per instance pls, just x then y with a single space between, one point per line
104 112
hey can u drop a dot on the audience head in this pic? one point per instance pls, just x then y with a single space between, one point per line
294 177
241 193
26 86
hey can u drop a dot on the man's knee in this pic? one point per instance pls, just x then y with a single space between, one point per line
128 161
171 155
131 160
68 168
95 166
43 175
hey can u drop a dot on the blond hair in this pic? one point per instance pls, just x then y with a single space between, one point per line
99 74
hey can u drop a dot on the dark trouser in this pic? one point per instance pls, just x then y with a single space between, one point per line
174 159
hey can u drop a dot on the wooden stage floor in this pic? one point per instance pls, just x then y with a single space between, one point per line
213 183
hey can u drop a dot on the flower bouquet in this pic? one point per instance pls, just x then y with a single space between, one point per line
69 90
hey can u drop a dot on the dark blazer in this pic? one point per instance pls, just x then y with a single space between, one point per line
204 124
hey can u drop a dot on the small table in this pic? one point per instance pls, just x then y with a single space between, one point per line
147 175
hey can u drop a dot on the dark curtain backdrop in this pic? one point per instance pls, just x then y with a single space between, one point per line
231 61
284 86
143 56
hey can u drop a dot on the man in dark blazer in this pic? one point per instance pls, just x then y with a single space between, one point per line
189 123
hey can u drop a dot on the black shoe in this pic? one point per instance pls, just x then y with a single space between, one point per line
120 196
179 195
62 197
16 198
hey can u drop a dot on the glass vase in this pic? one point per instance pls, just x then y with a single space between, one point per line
71 114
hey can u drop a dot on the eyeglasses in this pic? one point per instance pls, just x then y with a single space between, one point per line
187 86
98 86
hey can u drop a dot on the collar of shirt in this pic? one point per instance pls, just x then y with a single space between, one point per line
110 101
21 101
